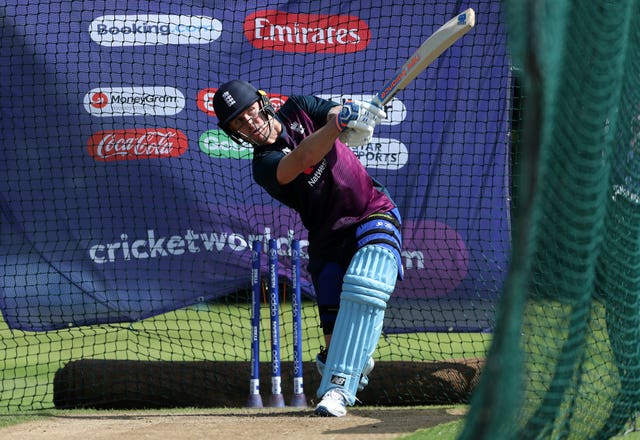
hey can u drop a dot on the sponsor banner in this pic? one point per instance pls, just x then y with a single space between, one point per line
204 100
387 154
153 29
297 32
216 143
137 143
139 224
134 101
395 109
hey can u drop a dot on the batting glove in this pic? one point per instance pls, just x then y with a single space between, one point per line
357 114
356 137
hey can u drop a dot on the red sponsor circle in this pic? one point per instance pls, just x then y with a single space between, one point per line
308 33
277 100
204 100
137 143
99 100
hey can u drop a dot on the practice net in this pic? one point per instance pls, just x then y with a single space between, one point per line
567 335
127 215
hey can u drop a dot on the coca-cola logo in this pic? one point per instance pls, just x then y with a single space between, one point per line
137 143
308 33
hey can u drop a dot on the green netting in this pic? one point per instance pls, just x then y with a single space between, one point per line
567 336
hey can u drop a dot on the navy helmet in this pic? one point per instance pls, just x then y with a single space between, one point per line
232 98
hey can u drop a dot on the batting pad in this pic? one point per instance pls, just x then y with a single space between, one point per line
367 286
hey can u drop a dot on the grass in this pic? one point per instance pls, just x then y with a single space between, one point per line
446 431
216 332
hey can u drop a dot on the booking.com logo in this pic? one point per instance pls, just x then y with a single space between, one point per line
154 29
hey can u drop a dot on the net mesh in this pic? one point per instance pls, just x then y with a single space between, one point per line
567 333
126 214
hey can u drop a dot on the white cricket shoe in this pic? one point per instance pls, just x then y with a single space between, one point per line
333 404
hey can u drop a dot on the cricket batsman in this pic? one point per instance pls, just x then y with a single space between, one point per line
301 157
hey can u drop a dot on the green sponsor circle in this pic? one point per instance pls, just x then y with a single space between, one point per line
216 143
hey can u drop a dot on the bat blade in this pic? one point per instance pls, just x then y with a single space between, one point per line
431 48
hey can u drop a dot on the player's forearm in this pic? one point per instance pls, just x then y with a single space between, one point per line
308 153
316 146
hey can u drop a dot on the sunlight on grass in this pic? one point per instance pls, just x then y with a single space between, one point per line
212 332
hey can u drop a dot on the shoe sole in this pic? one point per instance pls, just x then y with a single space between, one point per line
324 412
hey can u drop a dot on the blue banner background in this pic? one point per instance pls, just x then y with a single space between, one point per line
63 211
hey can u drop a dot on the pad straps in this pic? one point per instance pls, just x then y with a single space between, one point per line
382 229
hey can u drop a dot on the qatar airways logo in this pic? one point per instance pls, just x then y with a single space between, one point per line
310 33
134 101
154 29
137 143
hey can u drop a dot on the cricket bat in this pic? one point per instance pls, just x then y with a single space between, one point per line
430 49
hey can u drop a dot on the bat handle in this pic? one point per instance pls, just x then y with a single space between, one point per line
377 101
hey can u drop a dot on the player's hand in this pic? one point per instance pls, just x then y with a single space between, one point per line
355 137
359 115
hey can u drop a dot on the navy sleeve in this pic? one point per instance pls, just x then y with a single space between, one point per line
264 172
265 163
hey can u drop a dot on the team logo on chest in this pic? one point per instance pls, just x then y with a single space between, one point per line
295 126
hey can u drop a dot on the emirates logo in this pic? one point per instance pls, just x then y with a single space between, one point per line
306 33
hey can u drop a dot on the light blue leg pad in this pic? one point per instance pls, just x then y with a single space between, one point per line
367 286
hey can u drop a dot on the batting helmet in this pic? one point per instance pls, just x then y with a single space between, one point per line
232 98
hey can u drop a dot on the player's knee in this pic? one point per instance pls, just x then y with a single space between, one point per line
371 277
382 229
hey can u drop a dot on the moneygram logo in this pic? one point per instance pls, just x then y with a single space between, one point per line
133 101
296 32
154 29
216 143
137 143
204 100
